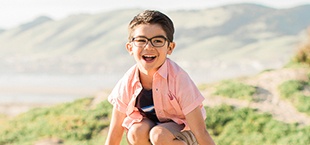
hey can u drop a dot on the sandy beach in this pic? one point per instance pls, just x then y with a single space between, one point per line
13 109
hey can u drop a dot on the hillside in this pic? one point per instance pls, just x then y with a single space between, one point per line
267 97
232 40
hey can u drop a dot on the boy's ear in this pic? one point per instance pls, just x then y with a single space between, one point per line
171 48
129 48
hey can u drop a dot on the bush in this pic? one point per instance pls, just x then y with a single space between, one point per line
303 54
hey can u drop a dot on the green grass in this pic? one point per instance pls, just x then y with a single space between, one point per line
77 123
292 91
232 126
235 89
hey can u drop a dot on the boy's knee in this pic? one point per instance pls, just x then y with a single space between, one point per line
137 134
133 134
158 134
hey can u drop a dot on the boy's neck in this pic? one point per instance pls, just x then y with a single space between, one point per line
146 79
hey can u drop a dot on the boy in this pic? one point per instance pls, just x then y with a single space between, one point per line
156 102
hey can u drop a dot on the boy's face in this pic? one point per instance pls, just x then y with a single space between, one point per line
148 57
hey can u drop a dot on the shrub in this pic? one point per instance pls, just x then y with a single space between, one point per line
303 54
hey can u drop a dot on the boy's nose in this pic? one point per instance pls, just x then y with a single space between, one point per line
148 45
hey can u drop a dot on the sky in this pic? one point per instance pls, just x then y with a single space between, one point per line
16 12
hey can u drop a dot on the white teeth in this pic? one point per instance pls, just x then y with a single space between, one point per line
149 56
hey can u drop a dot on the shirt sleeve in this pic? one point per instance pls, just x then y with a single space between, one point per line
117 96
188 93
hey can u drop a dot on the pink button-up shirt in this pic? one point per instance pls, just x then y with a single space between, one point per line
174 94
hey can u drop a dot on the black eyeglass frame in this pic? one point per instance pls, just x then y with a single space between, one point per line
150 40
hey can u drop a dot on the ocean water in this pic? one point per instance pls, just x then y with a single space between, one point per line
50 89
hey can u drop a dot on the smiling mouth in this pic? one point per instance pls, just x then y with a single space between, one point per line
148 58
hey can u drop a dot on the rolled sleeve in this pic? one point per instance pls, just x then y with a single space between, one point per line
118 104
116 98
190 96
192 106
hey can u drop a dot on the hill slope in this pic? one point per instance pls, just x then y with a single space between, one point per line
267 97
241 38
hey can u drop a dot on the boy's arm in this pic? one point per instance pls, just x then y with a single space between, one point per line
116 130
198 127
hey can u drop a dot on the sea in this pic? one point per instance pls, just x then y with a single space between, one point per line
58 88
47 88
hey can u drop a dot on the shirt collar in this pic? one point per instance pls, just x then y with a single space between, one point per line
163 70
135 76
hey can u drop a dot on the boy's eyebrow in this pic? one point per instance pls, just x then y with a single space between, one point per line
151 37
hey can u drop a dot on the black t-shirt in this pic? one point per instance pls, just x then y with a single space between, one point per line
145 105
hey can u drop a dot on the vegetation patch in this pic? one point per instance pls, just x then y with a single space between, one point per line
75 123
235 89
303 55
292 91
232 126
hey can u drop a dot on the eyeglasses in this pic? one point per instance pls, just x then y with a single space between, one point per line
157 41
